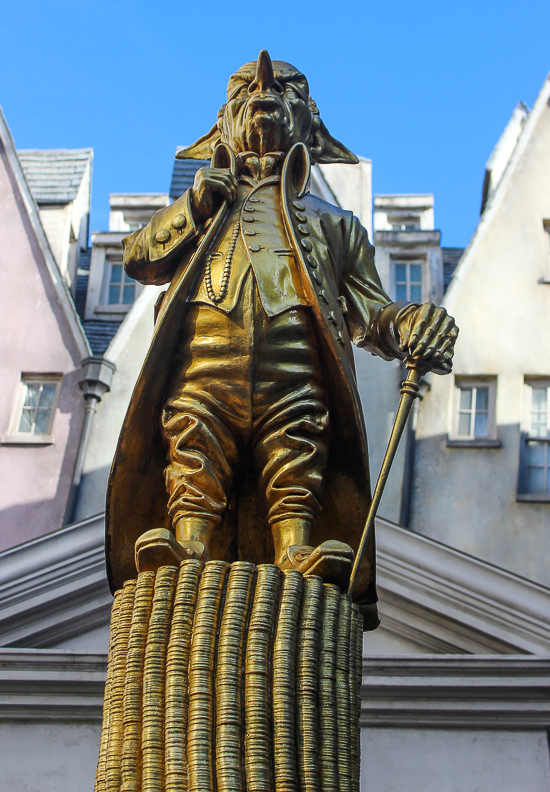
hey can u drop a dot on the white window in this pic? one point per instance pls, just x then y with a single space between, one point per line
474 411
120 288
407 280
34 411
546 271
536 473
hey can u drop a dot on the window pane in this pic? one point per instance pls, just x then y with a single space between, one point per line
536 453
46 396
114 295
538 399
464 424
482 399
538 425
128 295
416 293
465 398
42 421
535 479
416 273
25 424
401 292
481 425
400 273
116 273
31 394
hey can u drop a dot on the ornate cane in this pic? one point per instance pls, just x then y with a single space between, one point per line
409 392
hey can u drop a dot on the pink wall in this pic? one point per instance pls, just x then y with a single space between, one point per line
35 337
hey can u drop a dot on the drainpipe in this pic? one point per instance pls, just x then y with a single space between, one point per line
405 516
95 381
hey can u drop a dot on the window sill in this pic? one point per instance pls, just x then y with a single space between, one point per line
533 497
112 309
477 442
25 440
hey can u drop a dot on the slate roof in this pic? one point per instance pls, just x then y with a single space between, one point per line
54 175
451 257
99 332
183 175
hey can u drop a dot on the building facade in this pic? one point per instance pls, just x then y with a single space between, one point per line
483 434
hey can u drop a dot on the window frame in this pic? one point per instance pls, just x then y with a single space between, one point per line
421 261
545 278
491 440
105 307
523 494
14 436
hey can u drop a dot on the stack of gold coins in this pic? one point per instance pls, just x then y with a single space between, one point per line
307 664
177 661
116 725
284 683
152 779
100 779
201 677
133 691
258 756
229 677
328 727
342 694
356 688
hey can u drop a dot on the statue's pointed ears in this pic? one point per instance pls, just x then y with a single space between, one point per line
203 148
325 149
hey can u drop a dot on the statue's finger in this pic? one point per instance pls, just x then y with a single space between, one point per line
440 337
420 323
430 332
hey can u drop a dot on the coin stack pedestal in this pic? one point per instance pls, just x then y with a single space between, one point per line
231 678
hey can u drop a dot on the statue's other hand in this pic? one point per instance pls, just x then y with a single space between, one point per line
429 333
208 185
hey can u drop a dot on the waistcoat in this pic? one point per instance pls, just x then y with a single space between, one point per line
255 219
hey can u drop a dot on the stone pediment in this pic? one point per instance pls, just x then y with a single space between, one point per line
433 599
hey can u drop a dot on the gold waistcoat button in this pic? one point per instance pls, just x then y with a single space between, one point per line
301 217
306 244
299 206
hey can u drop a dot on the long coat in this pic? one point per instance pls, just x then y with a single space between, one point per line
335 261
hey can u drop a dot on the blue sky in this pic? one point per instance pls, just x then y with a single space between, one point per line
424 89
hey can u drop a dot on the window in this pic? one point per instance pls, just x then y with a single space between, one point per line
407 276
34 411
546 267
121 289
536 473
474 412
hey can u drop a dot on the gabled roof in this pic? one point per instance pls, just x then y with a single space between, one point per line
58 282
438 599
495 198
55 175
451 257
183 174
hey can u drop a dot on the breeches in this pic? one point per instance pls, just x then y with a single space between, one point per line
250 386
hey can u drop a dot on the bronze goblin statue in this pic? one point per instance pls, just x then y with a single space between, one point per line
245 438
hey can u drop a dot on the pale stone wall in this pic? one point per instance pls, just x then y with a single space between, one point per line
466 497
36 339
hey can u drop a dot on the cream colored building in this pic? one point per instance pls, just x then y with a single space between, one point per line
482 475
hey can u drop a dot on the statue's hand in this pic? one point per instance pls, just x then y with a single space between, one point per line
210 183
429 333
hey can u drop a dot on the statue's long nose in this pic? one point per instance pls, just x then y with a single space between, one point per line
264 78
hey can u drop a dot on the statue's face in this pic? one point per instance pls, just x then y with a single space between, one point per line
267 107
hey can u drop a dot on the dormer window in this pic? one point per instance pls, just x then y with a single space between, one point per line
121 288
407 280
